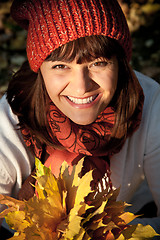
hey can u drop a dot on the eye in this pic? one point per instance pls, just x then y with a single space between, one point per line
99 64
59 66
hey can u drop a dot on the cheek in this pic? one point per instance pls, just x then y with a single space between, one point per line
109 81
114 83
54 85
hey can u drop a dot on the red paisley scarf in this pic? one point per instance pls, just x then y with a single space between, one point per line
75 141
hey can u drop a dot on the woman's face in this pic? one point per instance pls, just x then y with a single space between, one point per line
81 91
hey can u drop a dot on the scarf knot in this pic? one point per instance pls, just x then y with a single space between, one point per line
81 139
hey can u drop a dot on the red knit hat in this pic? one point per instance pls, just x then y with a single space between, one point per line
52 23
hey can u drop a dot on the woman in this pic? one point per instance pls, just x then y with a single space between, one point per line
78 96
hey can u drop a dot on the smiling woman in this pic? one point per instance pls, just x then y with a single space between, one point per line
81 91
77 96
86 68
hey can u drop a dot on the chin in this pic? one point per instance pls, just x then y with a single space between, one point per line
83 122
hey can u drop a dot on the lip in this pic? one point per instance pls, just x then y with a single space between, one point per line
84 105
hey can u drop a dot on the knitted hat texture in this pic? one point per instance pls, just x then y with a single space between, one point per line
53 23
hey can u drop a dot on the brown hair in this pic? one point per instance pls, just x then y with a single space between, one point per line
28 97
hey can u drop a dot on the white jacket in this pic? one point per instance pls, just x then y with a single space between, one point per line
138 159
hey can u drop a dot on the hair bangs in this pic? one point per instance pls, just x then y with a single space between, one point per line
85 49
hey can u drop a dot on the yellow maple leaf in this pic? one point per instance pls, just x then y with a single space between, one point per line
65 208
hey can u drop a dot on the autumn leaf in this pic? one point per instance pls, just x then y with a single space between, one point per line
11 203
138 232
66 208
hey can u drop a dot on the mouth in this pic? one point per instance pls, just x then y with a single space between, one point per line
82 101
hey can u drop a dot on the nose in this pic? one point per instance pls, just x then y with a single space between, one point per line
81 82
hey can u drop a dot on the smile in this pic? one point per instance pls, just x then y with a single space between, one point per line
82 100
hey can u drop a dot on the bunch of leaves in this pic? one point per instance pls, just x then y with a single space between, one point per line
66 208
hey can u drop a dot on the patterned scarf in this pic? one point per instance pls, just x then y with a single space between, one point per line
73 141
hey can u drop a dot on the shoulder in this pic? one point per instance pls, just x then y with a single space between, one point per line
151 113
151 108
150 86
16 161
6 114
8 125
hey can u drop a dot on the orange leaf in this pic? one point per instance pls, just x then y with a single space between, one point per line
110 236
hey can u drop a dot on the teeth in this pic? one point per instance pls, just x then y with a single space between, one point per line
81 101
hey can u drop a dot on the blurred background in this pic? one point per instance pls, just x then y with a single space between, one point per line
143 18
